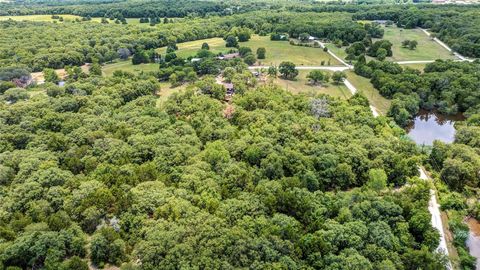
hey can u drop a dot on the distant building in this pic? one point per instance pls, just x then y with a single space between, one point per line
229 56
311 38
229 87
195 60
380 21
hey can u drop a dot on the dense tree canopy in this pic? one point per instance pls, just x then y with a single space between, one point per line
183 185
231 171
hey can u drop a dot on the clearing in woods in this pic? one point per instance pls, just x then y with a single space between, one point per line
302 85
39 18
277 51
190 48
427 49
127 65
166 90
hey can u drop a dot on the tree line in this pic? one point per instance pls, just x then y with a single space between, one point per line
76 43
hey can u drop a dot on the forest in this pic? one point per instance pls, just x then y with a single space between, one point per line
272 184
195 157
451 87
55 46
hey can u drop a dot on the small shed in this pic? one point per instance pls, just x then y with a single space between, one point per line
229 87
229 56
380 21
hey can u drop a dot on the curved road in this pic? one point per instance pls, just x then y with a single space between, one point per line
434 209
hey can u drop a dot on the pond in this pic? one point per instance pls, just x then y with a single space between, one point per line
429 126
473 240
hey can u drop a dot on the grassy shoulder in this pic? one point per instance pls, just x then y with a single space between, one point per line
340 52
302 85
363 85
127 65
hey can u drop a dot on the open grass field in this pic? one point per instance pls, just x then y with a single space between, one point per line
363 85
166 90
277 51
39 18
301 85
186 49
427 49
127 65
66 17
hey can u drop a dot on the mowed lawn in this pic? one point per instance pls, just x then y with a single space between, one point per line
427 49
301 85
39 18
364 86
279 51
186 49
127 65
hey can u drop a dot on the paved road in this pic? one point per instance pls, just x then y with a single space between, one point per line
415 62
434 209
322 45
350 86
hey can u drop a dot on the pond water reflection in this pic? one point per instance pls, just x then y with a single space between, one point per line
429 126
